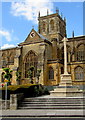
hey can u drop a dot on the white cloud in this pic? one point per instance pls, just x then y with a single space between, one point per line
9 36
45 0
7 46
5 34
67 0
30 8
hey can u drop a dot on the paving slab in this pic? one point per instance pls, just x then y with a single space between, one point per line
42 113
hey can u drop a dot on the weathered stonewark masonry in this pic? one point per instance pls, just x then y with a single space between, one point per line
44 50
13 103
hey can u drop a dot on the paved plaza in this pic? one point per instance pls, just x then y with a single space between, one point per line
43 113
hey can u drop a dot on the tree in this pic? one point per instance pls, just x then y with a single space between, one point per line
30 74
8 75
38 75
18 76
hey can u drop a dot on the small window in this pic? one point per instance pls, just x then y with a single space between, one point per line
44 26
80 53
52 24
51 73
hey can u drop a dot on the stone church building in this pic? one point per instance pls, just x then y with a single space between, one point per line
44 50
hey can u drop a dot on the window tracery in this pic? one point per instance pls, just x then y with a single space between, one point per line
31 59
80 53
79 73
11 58
4 60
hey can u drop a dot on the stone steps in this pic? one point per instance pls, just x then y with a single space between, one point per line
52 107
58 103
56 99
53 103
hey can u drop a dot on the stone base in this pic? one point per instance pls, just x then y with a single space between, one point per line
66 92
66 80
66 89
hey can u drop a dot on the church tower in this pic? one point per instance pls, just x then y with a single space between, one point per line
52 26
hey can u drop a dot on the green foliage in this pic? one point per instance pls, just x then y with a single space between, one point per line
30 74
8 74
29 90
18 76
31 68
15 87
46 92
38 73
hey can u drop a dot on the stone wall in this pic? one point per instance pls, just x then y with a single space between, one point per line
13 103
4 105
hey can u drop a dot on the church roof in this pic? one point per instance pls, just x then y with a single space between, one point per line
44 38
34 37
77 38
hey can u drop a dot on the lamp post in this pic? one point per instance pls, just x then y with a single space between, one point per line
6 93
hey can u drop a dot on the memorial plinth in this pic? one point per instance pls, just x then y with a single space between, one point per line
65 80
65 88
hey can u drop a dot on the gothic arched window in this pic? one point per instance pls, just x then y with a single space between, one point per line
11 58
51 73
44 26
4 60
31 59
80 53
52 24
79 73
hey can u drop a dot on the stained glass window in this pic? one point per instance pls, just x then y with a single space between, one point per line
30 60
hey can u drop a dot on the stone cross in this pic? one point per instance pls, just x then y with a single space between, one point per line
65 56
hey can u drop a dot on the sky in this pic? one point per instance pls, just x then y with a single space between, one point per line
18 18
